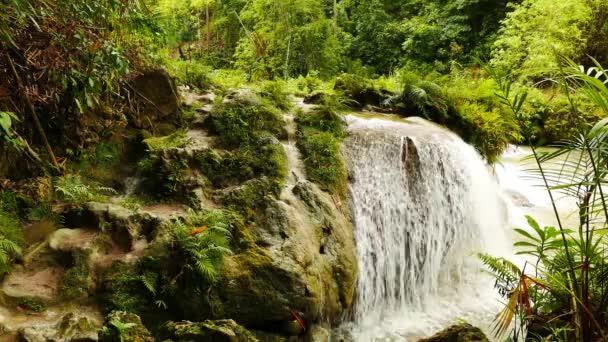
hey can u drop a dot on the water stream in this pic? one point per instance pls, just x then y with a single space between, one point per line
424 203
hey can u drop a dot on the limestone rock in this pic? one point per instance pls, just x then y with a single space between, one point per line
458 333
70 240
208 331
72 327
124 326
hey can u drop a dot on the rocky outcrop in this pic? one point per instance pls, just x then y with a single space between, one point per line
225 330
458 333
157 99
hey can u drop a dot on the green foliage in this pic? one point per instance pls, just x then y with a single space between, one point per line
539 30
490 131
32 304
11 234
570 271
203 241
192 73
73 189
276 93
285 38
7 121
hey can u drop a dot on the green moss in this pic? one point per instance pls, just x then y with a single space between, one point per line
249 199
323 118
124 327
323 161
239 122
217 331
32 304
175 140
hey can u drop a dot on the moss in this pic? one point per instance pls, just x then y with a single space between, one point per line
239 122
250 198
234 167
175 140
220 331
323 161
324 119
32 304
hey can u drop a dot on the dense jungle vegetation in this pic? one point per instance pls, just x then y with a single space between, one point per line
84 107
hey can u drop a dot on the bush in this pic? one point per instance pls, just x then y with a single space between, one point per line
73 189
276 93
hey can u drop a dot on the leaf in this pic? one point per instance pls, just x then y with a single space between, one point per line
526 234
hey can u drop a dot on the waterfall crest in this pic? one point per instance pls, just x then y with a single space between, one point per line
423 203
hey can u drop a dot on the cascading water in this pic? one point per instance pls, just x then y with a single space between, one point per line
424 203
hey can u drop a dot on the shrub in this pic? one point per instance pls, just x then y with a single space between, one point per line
276 93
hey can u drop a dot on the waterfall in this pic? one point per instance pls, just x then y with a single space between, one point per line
423 203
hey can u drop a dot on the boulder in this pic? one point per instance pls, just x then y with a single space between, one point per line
225 330
72 327
125 327
463 332
301 265
157 99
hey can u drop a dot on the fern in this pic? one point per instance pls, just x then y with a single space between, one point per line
73 189
204 247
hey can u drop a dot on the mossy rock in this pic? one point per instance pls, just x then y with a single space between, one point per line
124 326
74 326
463 332
225 330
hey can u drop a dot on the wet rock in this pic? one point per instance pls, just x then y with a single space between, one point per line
72 327
208 331
458 333
157 99
125 327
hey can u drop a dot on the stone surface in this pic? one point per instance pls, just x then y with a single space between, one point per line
225 330
463 332
41 283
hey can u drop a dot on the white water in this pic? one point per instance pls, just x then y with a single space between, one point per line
424 203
